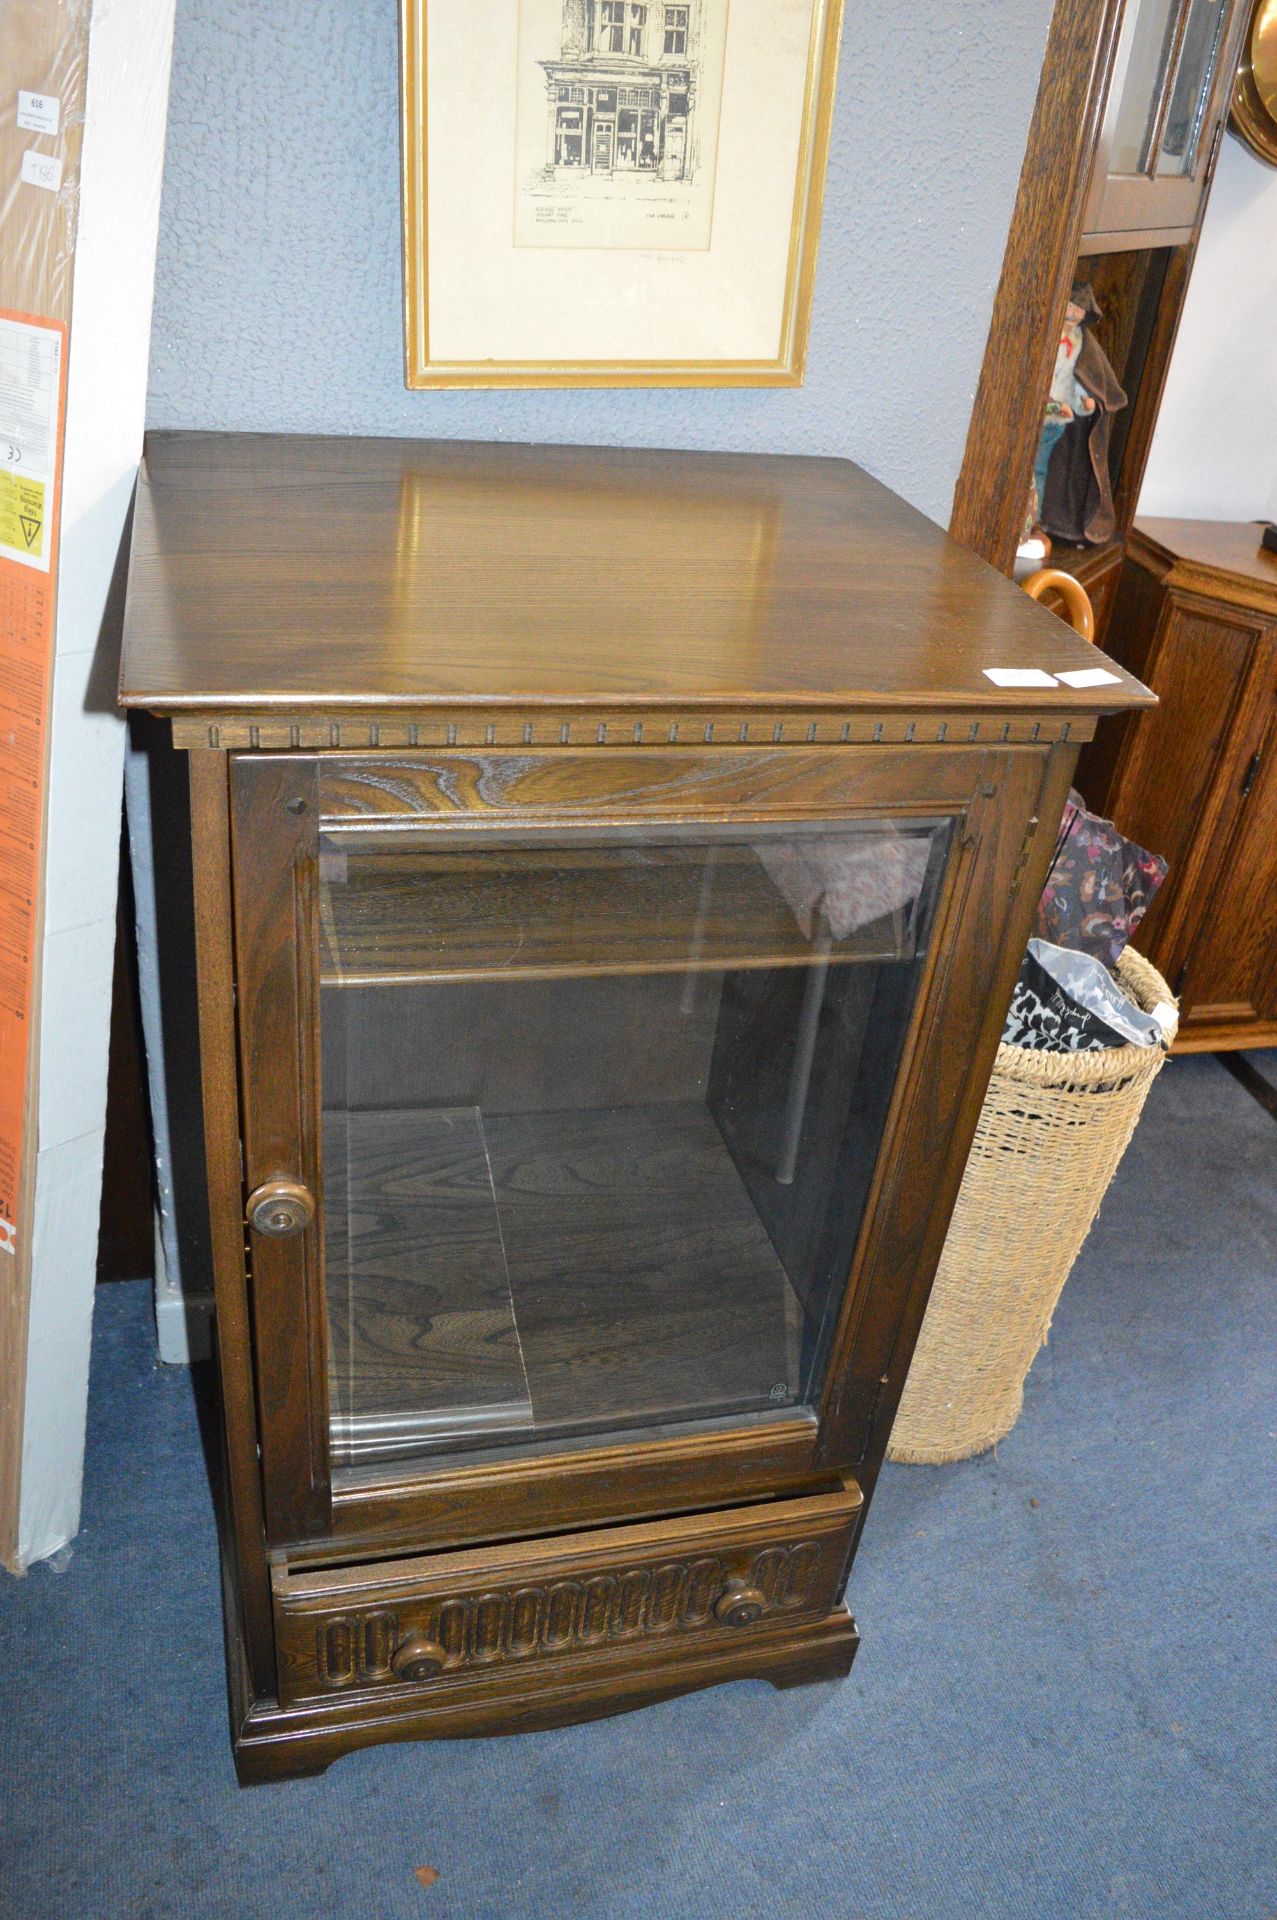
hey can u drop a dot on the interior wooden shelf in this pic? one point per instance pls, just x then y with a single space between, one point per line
1081 559
1132 239
503 1273
522 913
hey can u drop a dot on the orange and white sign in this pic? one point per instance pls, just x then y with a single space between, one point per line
32 412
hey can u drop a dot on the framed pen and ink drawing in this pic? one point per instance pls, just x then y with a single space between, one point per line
613 192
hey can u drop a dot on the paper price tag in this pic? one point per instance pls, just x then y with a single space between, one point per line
1019 677
38 112
1089 677
42 170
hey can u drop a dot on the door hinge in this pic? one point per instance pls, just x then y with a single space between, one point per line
1180 978
1249 778
1026 846
872 1420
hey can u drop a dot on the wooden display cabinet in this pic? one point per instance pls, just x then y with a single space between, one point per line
1167 101
1155 157
1197 617
610 874
1122 149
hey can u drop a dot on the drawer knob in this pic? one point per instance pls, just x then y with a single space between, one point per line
740 1605
419 1658
280 1208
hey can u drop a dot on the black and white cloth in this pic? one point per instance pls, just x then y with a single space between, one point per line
1067 1002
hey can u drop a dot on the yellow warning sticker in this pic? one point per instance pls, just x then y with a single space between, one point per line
22 514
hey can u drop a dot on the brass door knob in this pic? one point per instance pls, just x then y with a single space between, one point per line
280 1208
740 1605
419 1658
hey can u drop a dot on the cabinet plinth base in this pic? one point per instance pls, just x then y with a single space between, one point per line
275 1743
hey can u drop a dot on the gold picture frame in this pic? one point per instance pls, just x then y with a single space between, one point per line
523 235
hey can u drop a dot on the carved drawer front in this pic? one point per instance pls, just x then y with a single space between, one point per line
581 1598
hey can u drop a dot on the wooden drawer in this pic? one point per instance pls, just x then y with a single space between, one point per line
437 1624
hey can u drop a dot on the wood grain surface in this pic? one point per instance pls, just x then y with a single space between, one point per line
422 1337
585 1597
430 914
1221 558
241 1515
278 1743
644 1283
1197 781
273 858
697 780
281 573
550 1271
1037 270
1230 983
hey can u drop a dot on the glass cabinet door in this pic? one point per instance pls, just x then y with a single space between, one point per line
1167 93
1175 143
599 1113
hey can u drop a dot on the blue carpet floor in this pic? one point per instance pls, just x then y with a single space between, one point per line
1064 1705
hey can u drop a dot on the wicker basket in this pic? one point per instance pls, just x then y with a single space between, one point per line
1051 1133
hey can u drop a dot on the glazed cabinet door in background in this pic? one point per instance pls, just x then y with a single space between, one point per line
568 1082
1169 93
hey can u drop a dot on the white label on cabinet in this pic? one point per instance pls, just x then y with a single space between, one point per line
1089 677
38 112
42 170
1019 677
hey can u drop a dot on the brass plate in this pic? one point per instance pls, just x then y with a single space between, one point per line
1254 111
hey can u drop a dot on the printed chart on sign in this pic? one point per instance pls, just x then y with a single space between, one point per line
30 385
32 375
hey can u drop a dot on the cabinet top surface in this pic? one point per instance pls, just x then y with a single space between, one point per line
1226 548
274 573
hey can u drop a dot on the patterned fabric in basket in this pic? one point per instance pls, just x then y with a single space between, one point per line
1099 887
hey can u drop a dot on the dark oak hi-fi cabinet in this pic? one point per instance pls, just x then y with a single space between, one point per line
610 874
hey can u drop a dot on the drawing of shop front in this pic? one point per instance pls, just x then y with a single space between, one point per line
621 98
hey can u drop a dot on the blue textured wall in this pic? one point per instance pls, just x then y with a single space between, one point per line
278 299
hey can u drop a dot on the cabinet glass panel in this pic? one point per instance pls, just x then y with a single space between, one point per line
600 1114
1152 44
1180 143
1166 87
